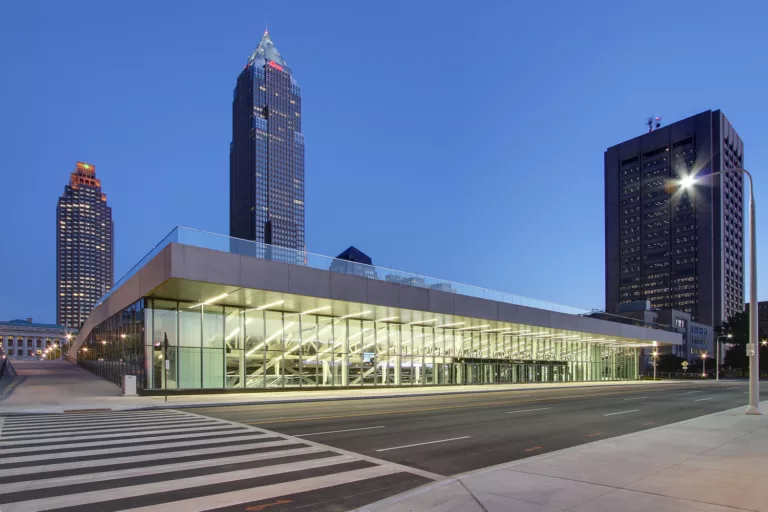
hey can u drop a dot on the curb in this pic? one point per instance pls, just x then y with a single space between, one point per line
313 400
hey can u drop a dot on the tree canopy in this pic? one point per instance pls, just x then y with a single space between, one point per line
736 356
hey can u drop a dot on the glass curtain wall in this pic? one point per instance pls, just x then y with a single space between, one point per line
223 347
116 346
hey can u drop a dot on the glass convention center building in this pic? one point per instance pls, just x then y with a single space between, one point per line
209 312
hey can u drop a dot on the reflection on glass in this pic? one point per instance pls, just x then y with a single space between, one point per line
221 347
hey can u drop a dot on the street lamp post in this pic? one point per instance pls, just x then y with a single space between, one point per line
717 355
655 356
69 345
704 365
754 358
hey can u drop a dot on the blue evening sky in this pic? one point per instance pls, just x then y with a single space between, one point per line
461 140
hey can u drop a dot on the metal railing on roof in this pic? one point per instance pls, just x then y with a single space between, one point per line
628 320
207 240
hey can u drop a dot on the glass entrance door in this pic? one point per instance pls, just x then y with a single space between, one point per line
460 373
489 373
473 373
521 373
505 373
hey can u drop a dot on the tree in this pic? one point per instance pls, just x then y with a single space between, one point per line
670 363
736 357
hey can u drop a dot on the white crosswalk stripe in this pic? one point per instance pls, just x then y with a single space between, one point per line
174 460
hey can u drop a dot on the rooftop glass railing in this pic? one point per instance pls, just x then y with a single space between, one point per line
197 238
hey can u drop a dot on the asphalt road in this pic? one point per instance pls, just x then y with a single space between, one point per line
452 434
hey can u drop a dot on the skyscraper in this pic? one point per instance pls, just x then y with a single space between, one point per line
266 162
678 248
84 247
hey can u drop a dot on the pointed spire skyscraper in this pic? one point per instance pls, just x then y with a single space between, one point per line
266 163
267 51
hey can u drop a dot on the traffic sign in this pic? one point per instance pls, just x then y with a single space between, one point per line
750 349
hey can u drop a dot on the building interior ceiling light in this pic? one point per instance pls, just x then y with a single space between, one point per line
352 315
308 312
473 328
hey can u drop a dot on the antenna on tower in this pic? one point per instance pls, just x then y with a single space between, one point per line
653 123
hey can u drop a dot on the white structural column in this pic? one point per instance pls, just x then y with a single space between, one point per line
345 355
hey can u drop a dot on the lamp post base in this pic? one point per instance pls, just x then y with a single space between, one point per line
754 411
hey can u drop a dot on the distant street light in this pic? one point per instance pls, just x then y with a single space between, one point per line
754 358
69 345
704 365
655 357
717 357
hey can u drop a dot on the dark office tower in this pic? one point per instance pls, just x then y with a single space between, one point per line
354 261
266 162
84 247
679 248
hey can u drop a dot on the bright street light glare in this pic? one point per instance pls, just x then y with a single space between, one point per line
688 181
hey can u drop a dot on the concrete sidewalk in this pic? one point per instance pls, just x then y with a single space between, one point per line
59 386
713 463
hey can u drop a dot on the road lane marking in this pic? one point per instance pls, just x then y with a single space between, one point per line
594 434
533 448
636 398
529 410
700 399
265 505
336 431
426 409
689 392
421 444
622 412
